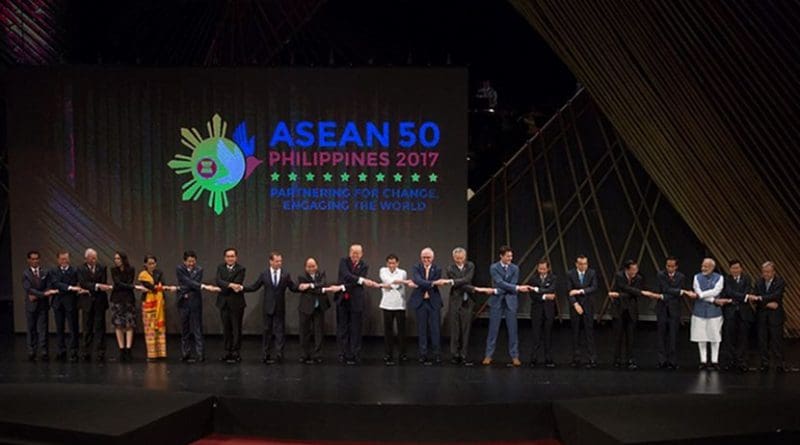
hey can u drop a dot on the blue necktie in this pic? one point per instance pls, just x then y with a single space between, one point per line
580 276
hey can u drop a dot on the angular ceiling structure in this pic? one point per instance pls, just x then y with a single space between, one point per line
705 95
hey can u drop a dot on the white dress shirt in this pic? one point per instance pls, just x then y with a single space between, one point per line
393 298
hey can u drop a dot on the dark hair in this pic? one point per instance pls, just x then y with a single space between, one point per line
544 261
672 258
225 252
147 257
310 258
505 249
189 254
628 263
273 254
124 257
392 256
581 256
61 252
733 262
33 252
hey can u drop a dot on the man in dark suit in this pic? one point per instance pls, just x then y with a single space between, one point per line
64 278
426 300
582 288
35 282
739 317
768 293
350 303
543 312
311 309
92 276
503 303
461 305
190 306
231 304
670 289
628 287
275 280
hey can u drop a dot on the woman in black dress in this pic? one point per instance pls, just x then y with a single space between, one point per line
123 304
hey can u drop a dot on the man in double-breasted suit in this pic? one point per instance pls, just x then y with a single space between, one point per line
231 304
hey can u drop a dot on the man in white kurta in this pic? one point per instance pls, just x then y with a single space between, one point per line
706 326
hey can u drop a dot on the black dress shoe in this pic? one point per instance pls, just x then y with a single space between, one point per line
45 357
672 366
468 362
267 360
403 358
702 367
225 358
591 365
727 367
87 357
532 363
308 361
303 360
101 358
233 359
318 360
185 358
201 358
388 361
422 360
782 368
61 356
713 367
617 364
575 363
632 366
455 360
31 357
350 362
73 358
743 368
549 364
437 360
764 367
662 365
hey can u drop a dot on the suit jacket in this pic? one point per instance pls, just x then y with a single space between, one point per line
737 292
36 287
189 286
462 283
589 287
775 293
671 289
425 285
504 281
62 280
274 296
227 297
546 286
309 296
87 280
349 276
123 286
629 293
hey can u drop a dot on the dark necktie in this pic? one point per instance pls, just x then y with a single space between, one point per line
275 278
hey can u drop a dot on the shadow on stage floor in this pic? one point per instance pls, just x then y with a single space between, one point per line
410 402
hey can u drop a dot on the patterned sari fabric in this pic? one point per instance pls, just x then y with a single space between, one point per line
153 318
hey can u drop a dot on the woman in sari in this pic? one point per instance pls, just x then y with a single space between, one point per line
153 309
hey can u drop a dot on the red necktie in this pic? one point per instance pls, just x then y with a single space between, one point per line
352 269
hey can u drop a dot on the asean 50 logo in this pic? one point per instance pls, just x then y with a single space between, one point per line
217 164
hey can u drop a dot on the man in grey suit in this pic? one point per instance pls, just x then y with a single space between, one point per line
461 305
503 303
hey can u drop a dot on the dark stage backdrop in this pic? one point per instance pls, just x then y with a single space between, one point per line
304 161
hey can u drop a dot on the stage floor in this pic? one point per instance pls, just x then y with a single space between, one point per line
410 383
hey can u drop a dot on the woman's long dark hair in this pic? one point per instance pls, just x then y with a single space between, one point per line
124 257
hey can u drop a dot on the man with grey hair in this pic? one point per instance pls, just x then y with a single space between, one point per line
706 324
768 294
426 300
92 276
461 305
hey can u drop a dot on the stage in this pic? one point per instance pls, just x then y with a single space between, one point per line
413 402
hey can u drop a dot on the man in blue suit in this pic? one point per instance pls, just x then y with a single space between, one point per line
190 306
426 300
503 303
64 278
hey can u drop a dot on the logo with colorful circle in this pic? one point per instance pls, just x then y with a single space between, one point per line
217 164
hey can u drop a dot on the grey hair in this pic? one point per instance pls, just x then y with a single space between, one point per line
768 264
88 252
458 250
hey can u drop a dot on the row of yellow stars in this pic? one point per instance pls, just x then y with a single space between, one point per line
345 177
